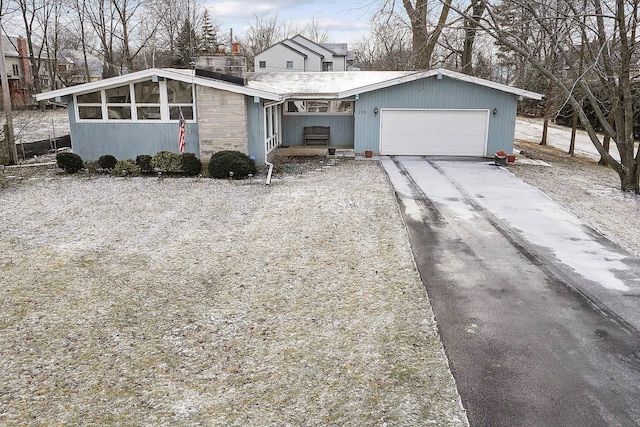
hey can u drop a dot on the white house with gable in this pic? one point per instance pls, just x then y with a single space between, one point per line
299 54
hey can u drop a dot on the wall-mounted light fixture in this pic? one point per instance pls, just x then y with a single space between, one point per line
495 111
375 110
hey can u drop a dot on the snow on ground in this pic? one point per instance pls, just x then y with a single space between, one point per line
150 301
590 191
530 129
35 125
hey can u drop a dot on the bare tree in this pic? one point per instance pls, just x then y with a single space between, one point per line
80 8
313 32
387 48
476 10
102 16
425 31
611 27
36 17
263 33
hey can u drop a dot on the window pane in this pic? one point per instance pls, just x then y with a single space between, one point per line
187 113
147 92
179 92
289 64
295 107
118 113
118 95
90 112
263 64
148 113
341 107
317 106
90 98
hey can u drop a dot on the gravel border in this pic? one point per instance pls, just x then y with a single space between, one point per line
185 301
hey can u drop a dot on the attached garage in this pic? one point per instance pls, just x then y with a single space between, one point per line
433 132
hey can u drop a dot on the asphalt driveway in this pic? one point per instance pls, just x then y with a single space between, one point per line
538 313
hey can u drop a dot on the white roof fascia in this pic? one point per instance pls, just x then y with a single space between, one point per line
306 96
173 74
441 71
300 47
488 83
382 85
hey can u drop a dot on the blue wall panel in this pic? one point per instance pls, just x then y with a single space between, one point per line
432 93
128 140
255 120
341 132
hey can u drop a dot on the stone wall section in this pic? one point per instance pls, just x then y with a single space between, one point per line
222 122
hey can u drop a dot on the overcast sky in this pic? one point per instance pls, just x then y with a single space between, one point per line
345 21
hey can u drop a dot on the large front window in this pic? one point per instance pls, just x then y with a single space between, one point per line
147 96
119 102
139 101
180 95
319 107
89 106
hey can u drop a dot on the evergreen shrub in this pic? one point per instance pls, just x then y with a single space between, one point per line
191 165
125 168
144 162
167 161
226 161
69 162
107 162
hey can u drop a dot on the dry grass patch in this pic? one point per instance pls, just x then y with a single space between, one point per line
188 301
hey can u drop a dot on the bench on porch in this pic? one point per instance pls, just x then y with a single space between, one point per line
316 135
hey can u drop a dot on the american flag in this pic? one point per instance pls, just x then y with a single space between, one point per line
181 141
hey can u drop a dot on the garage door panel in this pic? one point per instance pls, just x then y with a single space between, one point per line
433 132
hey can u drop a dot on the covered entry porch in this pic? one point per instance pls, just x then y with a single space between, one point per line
287 124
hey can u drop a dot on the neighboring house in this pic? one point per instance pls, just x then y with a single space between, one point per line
436 112
20 72
72 69
301 54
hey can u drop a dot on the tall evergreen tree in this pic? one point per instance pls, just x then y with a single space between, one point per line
185 45
209 36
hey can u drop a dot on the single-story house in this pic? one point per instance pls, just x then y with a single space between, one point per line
435 112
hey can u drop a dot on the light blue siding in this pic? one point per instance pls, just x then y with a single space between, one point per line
432 93
255 123
341 128
127 140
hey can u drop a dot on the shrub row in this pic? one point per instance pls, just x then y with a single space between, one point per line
223 164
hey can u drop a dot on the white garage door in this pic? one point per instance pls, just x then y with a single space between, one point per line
433 132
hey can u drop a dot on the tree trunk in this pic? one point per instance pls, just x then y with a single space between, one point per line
574 129
470 31
545 129
607 141
424 43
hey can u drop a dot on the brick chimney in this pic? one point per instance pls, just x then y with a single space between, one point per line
25 63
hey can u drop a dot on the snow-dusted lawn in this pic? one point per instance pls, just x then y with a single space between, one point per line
202 302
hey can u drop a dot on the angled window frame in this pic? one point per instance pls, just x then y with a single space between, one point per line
163 105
